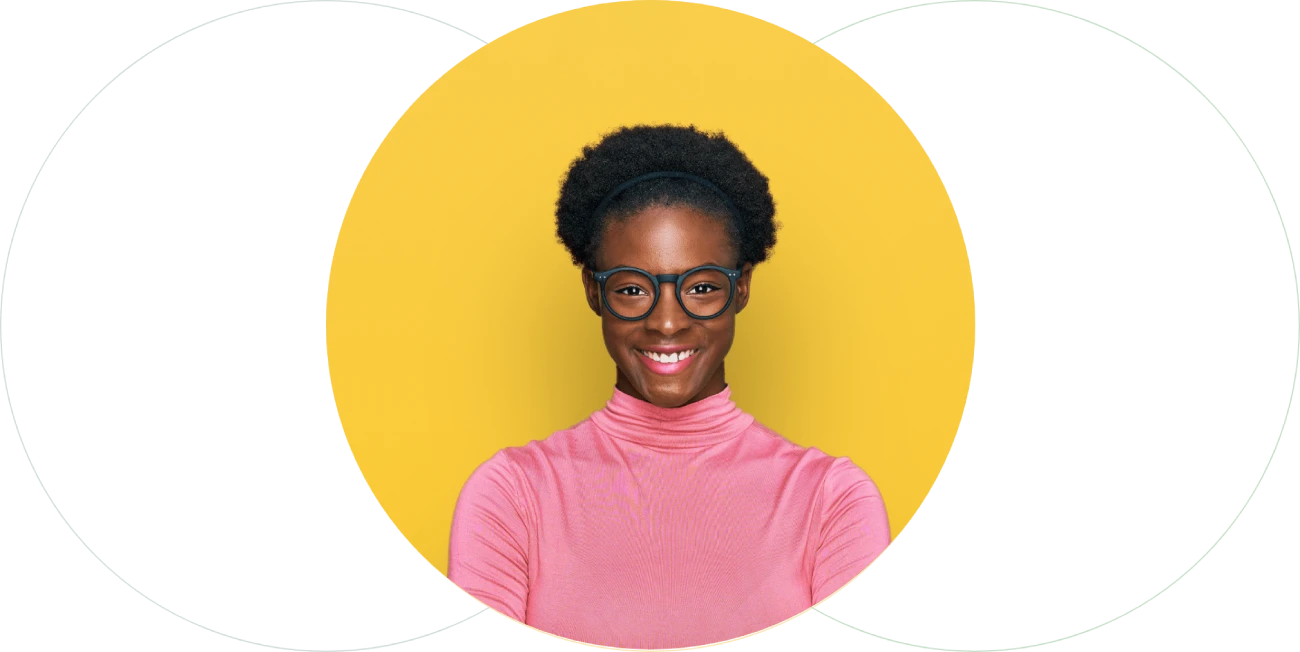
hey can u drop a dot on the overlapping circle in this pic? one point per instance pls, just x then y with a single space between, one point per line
1174 72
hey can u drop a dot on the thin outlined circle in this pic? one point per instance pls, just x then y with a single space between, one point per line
1281 220
4 369
1173 70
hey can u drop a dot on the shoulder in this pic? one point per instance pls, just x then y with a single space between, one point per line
850 503
810 458
845 477
497 476
757 433
835 475
514 464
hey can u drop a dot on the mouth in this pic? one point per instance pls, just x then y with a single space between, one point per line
667 363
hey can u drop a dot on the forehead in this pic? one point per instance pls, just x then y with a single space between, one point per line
665 240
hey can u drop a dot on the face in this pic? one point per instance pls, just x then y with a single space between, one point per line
668 240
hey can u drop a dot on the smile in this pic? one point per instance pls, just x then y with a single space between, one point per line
667 363
668 357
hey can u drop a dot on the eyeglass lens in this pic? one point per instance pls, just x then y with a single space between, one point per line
703 293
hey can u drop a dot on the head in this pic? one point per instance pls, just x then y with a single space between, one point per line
720 213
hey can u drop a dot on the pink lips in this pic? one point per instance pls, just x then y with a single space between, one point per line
666 368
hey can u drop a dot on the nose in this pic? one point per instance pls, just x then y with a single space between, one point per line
668 318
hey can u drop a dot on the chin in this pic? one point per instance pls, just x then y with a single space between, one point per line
669 396
673 401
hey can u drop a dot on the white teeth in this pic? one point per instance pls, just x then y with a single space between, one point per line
669 358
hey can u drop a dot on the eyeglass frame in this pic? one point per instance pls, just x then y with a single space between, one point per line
659 279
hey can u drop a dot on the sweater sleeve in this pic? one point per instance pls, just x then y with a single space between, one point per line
488 551
854 527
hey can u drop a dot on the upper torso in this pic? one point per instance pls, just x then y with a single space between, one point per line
648 527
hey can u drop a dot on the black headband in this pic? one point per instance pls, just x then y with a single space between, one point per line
604 203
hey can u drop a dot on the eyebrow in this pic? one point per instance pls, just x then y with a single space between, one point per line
715 264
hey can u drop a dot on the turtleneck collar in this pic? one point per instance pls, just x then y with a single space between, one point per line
703 423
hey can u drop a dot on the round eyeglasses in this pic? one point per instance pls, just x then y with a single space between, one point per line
631 294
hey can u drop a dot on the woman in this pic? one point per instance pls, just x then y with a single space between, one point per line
670 517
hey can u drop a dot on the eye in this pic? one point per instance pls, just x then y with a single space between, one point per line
703 288
632 291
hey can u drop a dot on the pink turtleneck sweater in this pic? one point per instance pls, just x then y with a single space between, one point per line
650 527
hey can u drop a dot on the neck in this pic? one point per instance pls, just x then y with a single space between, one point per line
714 420
716 383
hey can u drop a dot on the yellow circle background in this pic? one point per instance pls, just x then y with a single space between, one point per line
456 323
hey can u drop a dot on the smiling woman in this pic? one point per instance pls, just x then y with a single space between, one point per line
670 517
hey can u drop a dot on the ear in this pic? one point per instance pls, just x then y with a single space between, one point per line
592 290
742 286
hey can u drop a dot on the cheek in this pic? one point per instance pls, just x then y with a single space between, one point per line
616 333
719 337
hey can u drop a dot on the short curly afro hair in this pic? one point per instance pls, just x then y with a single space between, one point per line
630 152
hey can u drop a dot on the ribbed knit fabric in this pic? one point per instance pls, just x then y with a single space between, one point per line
650 527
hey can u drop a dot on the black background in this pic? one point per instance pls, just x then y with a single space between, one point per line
1138 327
